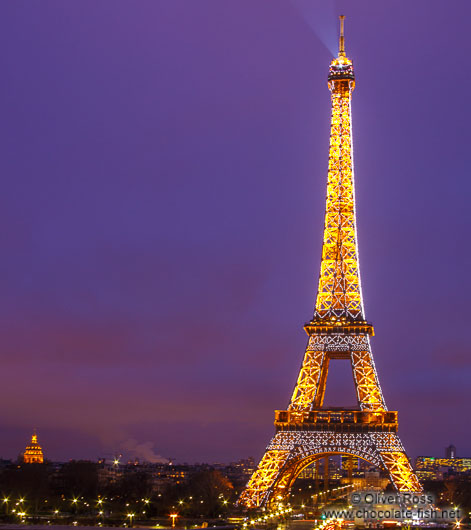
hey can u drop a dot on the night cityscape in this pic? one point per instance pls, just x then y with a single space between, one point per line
187 339
137 493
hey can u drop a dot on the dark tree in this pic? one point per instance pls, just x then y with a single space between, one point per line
134 486
79 479
212 488
28 481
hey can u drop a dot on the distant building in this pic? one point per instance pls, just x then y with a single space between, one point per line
432 468
450 452
33 453
372 480
349 462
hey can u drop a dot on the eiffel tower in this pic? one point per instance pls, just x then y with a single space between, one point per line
306 432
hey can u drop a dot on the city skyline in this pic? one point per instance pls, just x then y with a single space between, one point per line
33 454
164 172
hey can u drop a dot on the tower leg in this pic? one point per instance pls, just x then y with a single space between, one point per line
401 472
260 486
366 380
308 380
394 459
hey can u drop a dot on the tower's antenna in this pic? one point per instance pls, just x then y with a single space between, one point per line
342 37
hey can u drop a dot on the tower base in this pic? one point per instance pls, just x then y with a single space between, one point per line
290 451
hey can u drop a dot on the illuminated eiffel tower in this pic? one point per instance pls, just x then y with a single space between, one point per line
307 432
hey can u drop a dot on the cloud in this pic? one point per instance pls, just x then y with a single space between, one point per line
143 451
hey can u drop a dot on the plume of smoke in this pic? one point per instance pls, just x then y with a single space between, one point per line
320 17
143 451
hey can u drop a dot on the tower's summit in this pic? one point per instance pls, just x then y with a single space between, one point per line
341 66
342 36
33 453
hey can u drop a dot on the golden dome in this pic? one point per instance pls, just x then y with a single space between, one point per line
33 453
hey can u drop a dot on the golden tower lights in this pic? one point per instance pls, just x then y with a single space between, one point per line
306 432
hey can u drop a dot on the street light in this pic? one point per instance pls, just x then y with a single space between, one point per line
130 515
173 516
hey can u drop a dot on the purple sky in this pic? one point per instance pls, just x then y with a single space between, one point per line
163 180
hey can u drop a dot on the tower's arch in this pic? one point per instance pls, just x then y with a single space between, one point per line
304 457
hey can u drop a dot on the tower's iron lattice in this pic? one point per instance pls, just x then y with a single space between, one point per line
306 432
